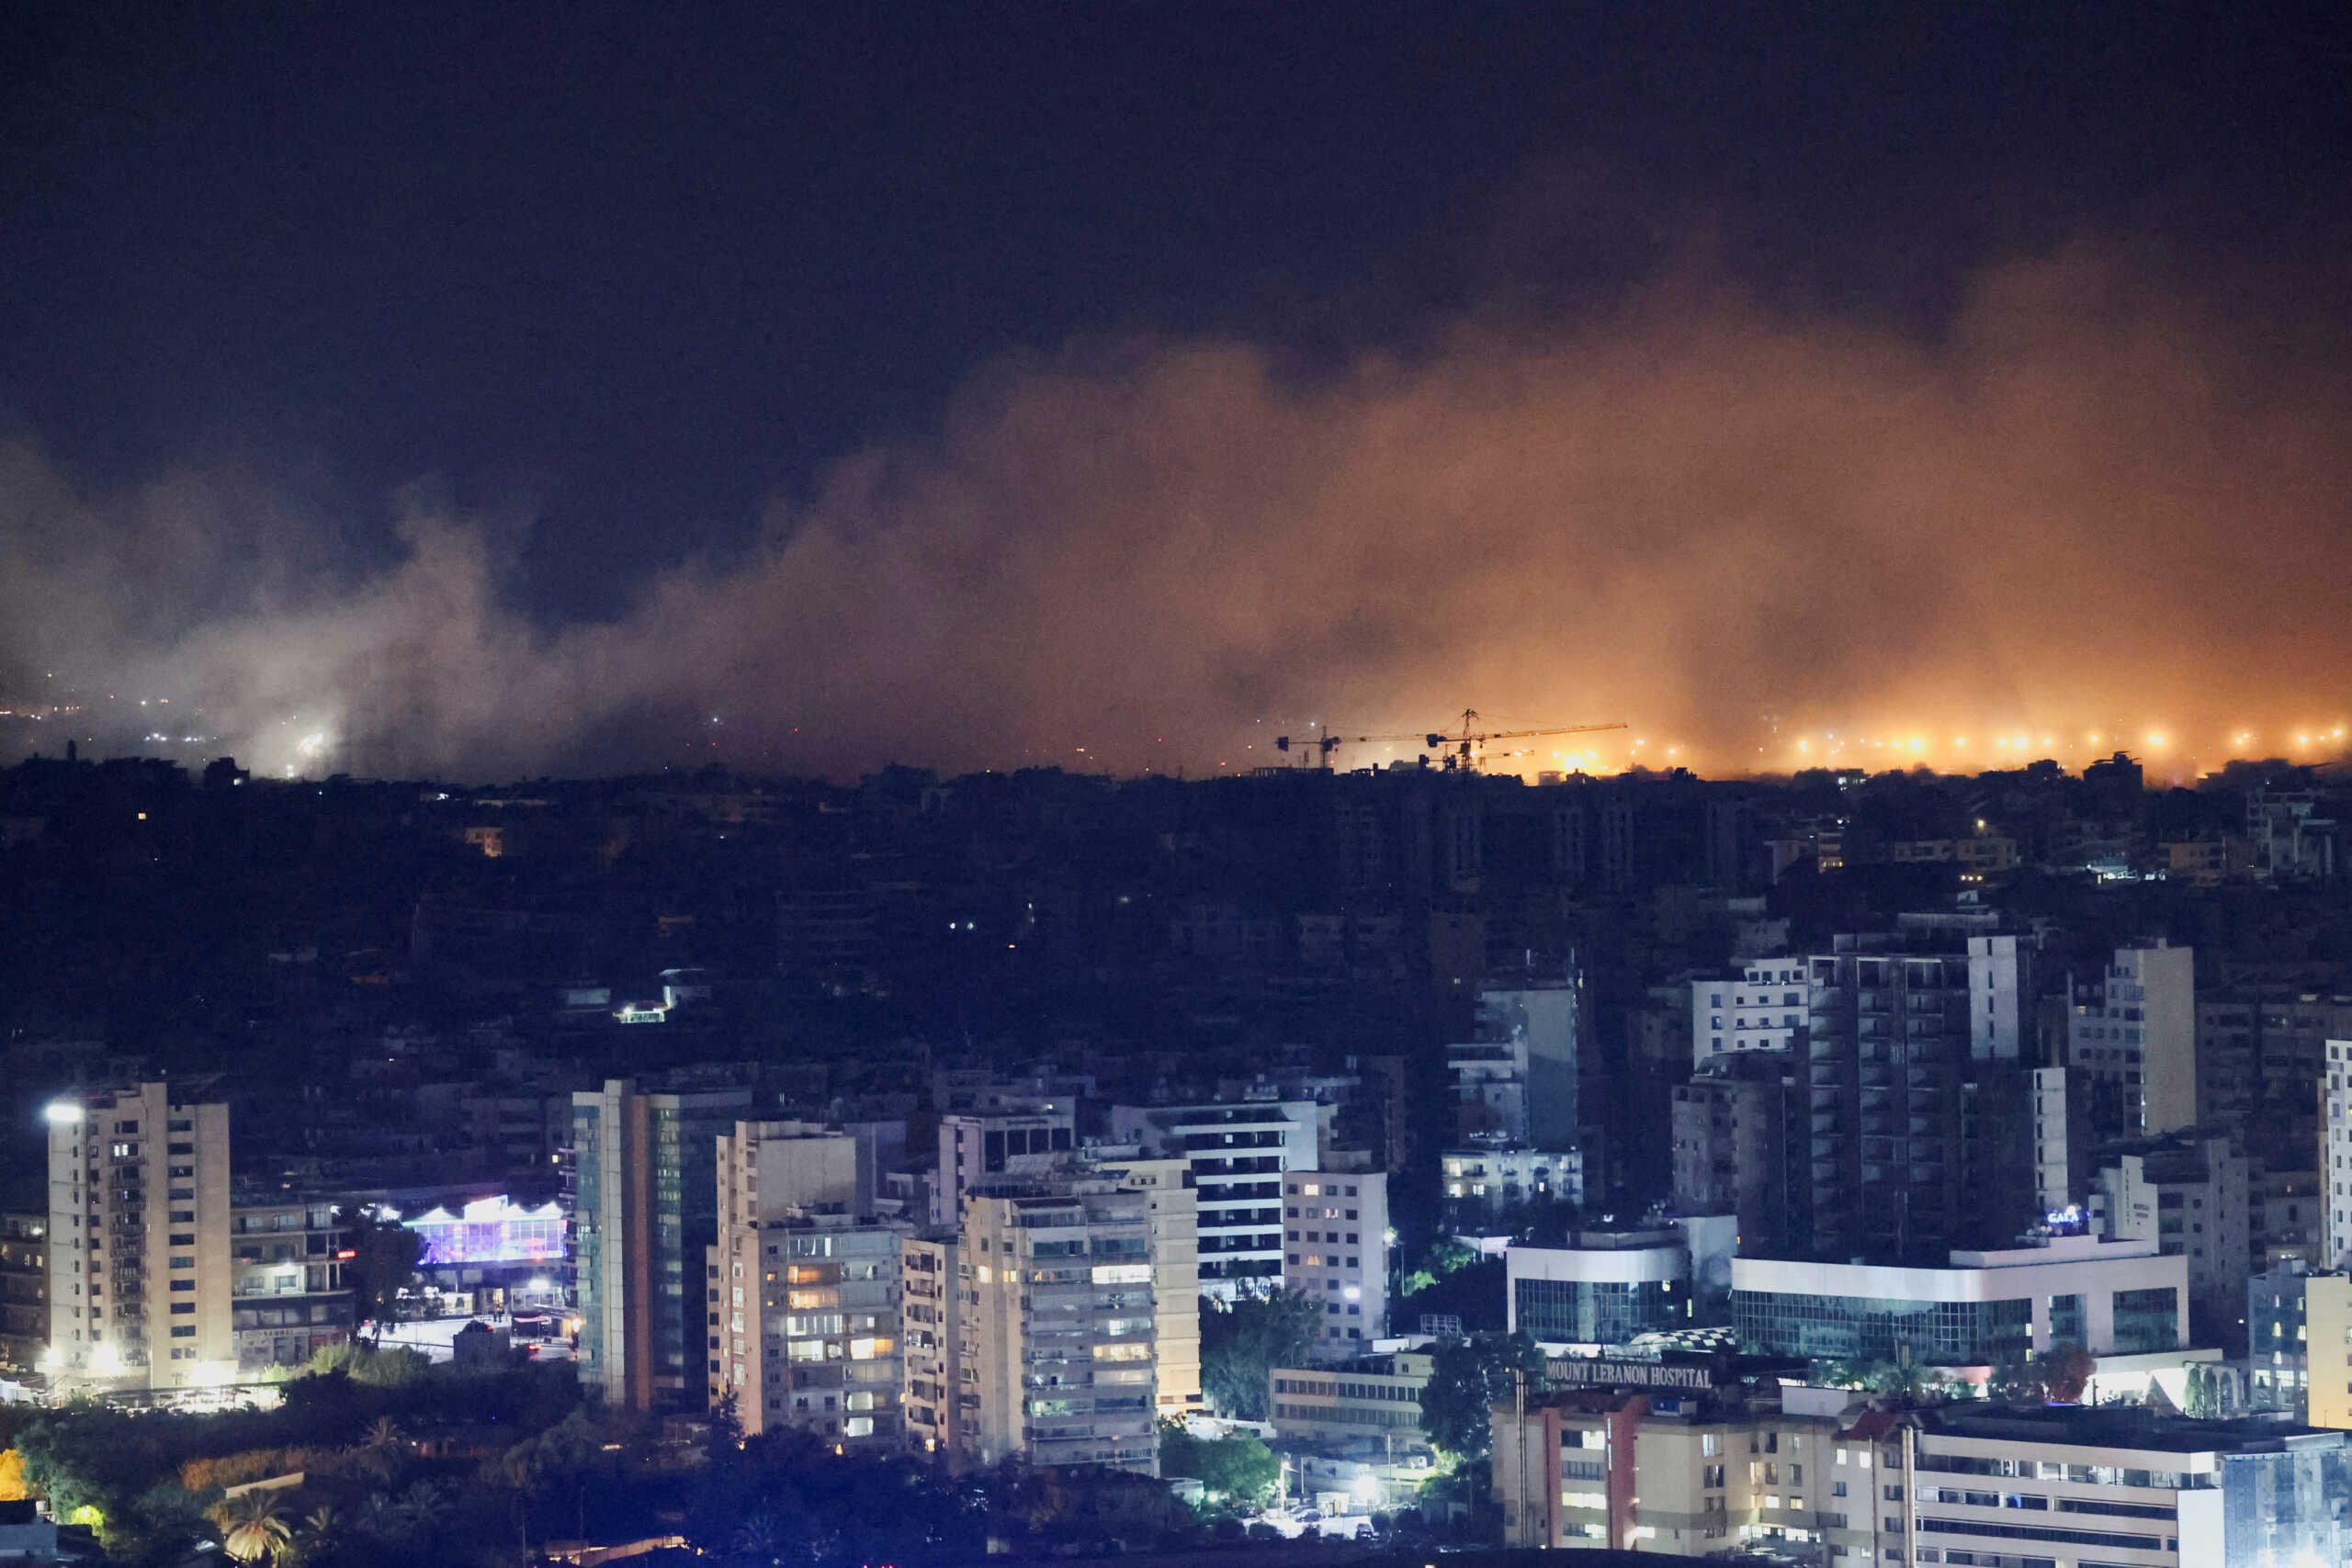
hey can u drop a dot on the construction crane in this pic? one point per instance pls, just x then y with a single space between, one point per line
1459 751
1326 743
1462 751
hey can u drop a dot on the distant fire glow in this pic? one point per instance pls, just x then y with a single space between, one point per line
490 1230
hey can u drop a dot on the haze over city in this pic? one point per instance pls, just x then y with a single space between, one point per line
503 463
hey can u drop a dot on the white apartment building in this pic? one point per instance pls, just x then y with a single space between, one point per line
1174 1208
1054 1338
804 1291
2132 1033
808 1314
1769 1006
1763 1010
2335 1158
141 1283
1335 1252
1239 1153
2053 1149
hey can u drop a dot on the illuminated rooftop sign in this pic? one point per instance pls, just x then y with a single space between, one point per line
490 1230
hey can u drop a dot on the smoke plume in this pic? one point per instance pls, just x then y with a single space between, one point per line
2088 506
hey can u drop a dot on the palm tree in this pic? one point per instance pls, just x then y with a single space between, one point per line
381 1448
763 1539
255 1526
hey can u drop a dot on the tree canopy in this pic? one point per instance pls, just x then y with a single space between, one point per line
1243 1344
1239 1468
1467 1378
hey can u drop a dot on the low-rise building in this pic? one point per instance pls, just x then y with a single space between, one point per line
2077 1485
2110 1297
290 1293
1608 1287
1684 1458
1368 1406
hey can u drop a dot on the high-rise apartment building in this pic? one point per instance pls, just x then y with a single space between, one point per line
803 1288
931 1315
2327 1350
1006 1142
1173 1205
140 1280
2260 1052
1764 1009
24 1289
1518 1078
2131 1040
1335 1231
1741 1137
1050 1349
1921 1124
2189 1196
2334 1094
1238 1152
644 1217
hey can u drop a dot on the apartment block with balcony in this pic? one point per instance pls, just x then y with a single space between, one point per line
931 1320
1764 1009
1911 1068
139 1258
1482 1184
806 1327
1239 1153
803 1287
290 1297
24 1289
1054 1359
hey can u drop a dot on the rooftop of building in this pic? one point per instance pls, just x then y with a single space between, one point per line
2122 1426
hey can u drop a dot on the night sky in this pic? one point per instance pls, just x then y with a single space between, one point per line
494 387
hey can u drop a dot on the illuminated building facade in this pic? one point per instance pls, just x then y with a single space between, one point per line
1239 1153
803 1289
24 1289
643 1219
1054 1352
2113 1298
806 1331
2335 1156
1335 1253
288 1259
490 1230
1765 1008
140 1277
931 1319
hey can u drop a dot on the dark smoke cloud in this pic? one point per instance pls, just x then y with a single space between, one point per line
2088 503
